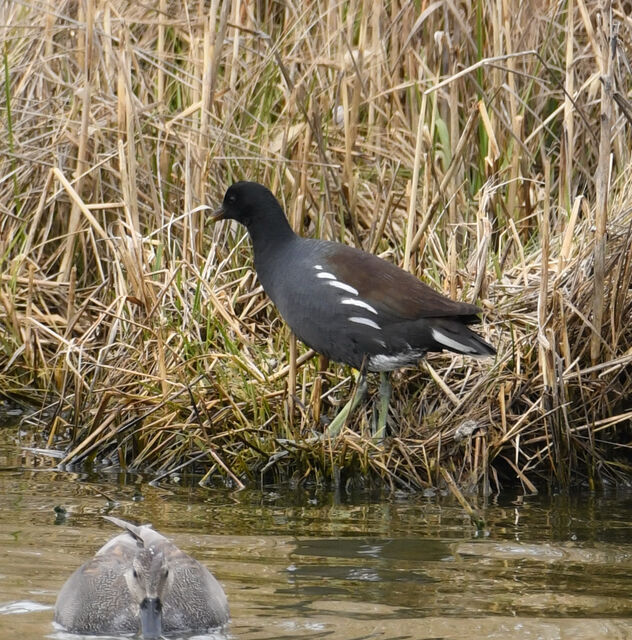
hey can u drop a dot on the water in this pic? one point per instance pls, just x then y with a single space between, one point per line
310 564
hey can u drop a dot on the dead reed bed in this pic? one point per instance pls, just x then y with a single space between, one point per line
483 146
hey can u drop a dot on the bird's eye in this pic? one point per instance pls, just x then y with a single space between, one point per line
231 199
135 574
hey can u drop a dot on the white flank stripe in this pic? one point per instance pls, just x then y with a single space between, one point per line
318 266
448 342
326 275
367 321
341 285
359 303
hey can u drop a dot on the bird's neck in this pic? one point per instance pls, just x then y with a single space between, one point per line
270 236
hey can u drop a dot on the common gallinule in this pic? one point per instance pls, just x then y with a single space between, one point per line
140 581
346 304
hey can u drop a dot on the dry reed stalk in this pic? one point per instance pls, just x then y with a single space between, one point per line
602 178
85 61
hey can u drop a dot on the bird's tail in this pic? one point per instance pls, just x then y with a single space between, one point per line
457 337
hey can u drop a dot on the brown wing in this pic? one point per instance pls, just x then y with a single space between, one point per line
391 289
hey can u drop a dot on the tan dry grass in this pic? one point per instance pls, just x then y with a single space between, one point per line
458 140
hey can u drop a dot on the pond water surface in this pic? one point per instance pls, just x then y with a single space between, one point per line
311 564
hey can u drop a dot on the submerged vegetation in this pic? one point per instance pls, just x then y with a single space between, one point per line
483 146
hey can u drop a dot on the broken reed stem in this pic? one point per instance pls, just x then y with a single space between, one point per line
544 347
475 517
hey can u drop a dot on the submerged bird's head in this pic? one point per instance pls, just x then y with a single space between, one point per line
149 581
248 202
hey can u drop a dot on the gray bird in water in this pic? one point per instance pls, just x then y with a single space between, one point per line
139 581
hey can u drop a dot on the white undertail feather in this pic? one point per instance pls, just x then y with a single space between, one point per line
326 275
383 362
450 343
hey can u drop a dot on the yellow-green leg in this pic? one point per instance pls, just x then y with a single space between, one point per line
382 409
359 393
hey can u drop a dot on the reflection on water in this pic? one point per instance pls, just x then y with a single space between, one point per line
311 564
